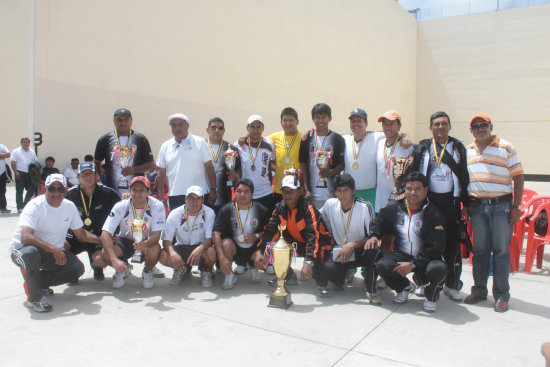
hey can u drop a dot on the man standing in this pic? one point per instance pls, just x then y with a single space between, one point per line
218 146
138 214
94 203
191 224
321 157
126 152
4 153
186 161
71 173
21 158
495 189
419 232
442 159
38 243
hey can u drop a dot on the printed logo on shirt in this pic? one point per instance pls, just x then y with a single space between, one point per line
254 223
111 214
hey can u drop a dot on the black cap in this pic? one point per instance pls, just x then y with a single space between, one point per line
123 112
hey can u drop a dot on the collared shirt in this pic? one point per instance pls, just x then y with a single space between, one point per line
491 171
23 158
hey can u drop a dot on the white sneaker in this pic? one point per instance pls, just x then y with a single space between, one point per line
255 275
240 270
404 295
177 277
157 273
381 283
429 306
269 270
229 281
118 280
453 294
206 279
419 292
148 281
373 298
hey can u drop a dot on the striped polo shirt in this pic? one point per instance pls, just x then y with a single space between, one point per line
491 172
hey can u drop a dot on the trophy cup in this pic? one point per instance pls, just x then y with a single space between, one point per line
282 252
230 159
398 167
322 162
292 171
124 157
138 233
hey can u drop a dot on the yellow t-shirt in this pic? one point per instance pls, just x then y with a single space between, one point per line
278 139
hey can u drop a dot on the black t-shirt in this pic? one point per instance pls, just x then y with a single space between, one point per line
228 225
48 171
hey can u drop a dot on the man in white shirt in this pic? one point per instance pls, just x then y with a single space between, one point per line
191 224
71 173
186 160
4 153
38 243
21 158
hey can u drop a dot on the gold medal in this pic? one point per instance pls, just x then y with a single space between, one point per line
355 165
253 167
87 222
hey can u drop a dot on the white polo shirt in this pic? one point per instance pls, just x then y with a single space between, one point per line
22 159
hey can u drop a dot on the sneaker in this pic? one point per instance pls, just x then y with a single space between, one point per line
5 211
350 274
453 294
230 280
240 269
419 292
157 273
148 281
404 295
374 299
324 291
269 270
46 292
429 306
118 280
381 283
177 277
206 279
41 305
98 274
255 275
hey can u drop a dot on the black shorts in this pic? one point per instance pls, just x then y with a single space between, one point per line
243 255
78 247
127 247
185 250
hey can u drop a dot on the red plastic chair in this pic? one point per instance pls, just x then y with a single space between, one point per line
535 242
516 245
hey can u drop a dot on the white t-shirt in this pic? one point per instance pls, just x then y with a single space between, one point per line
261 158
71 174
441 178
184 163
3 149
384 178
365 174
336 220
22 159
122 215
50 224
193 231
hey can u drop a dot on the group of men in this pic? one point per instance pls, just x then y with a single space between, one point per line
339 207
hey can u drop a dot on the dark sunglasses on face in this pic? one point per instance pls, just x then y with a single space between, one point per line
220 128
52 189
483 125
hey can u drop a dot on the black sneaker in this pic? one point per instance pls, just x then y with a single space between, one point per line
98 274
324 291
41 305
47 292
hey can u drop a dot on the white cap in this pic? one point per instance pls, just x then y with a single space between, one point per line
178 116
55 177
197 190
291 182
253 118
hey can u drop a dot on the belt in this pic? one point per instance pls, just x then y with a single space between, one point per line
490 201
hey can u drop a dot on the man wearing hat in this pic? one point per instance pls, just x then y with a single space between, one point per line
126 153
138 216
191 224
187 162
495 190
94 203
304 226
38 243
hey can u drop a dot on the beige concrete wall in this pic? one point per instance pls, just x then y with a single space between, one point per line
495 62
208 58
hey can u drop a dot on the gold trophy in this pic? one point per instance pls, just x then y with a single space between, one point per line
282 253
124 158
398 167
230 159
322 162
138 233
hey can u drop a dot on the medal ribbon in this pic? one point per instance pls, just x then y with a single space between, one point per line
142 210
241 227
386 158
187 220
346 227
440 157
407 206
353 143
315 142
217 155
287 151
118 139
86 209
253 158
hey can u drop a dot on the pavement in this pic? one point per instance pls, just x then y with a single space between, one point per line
93 324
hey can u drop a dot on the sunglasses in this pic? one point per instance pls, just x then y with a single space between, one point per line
60 190
220 128
483 125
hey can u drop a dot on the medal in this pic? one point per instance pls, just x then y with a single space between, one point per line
288 148
216 156
355 165
438 159
388 157
241 238
253 157
241 225
253 167
87 222
287 160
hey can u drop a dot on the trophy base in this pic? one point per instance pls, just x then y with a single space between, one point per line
277 301
138 258
322 184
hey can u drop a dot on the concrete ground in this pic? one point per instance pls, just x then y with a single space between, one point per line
92 324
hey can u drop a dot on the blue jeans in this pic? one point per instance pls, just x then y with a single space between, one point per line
492 233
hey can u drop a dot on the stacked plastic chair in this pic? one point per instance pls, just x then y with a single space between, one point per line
516 245
535 243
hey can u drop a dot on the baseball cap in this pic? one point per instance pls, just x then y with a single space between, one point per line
390 115
480 115
141 179
358 112
253 118
122 112
55 177
197 190
179 116
86 166
291 182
